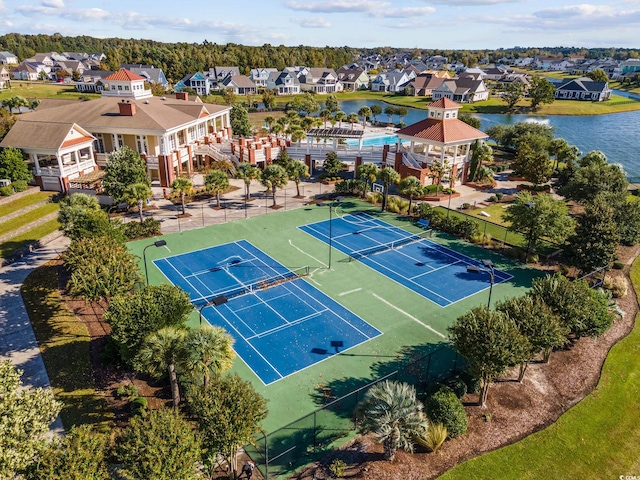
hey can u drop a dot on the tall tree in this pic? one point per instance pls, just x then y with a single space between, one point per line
340 116
159 355
274 177
248 173
598 75
137 193
296 171
481 153
331 103
269 99
26 415
388 176
469 120
240 124
133 316
532 159
375 111
183 186
490 342
411 187
368 173
81 217
208 352
402 112
512 94
124 167
229 412
216 182
16 102
13 166
438 171
390 111
539 216
161 445
391 411
332 164
364 112
229 96
541 91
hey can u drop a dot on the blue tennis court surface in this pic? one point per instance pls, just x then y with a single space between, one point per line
431 270
281 324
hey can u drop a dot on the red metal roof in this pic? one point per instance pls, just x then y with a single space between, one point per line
124 74
442 131
444 102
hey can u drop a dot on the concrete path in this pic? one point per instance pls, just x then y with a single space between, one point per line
17 340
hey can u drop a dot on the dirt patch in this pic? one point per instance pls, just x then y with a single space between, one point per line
514 410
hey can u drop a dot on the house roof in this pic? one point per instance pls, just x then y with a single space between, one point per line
444 103
449 130
582 84
50 135
426 81
124 74
241 81
152 113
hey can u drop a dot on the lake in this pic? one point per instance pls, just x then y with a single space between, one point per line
616 134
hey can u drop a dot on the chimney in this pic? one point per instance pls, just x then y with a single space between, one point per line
182 96
127 109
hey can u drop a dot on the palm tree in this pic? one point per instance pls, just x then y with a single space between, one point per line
137 193
297 171
208 351
375 111
438 171
160 353
352 118
274 177
391 411
248 172
216 182
391 111
402 112
388 176
368 172
364 112
340 116
411 187
15 102
324 115
277 128
184 187
269 120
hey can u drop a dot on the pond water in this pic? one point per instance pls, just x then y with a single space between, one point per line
616 134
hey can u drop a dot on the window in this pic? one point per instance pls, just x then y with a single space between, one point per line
192 133
201 130
98 143
172 142
118 142
141 142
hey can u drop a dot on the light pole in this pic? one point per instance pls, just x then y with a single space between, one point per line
158 243
331 207
531 206
488 268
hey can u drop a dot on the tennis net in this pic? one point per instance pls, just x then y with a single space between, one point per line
418 237
262 284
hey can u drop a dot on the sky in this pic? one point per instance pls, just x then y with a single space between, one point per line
425 24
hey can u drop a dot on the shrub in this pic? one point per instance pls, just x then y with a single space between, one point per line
127 391
617 286
337 468
473 383
499 196
139 404
446 408
423 210
150 227
374 197
492 198
19 186
349 187
457 385
397 205
466 206
434 437
563 269
6 191
618 265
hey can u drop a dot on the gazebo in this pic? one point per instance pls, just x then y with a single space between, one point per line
336 133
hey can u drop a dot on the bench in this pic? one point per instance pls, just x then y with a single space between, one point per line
423 223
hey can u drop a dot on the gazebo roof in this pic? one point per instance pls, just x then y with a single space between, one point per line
335 132
446 131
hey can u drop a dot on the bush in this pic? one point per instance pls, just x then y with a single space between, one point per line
127 391
337 468
423 210
397 205
6 191
499 196
618 265
150 227
434 437
492 198
473 384
446 408
466 206
349 187
19 186
617 286
457 385
374 197
139 405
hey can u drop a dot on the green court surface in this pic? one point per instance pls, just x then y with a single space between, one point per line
411 324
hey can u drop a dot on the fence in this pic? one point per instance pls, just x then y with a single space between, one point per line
307 439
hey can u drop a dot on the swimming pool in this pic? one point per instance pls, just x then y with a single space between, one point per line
377 141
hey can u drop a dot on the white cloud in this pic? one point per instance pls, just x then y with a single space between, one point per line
339 6
470 3
404 12
312 22
53 3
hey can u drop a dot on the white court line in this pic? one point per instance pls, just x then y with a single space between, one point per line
307 254
409 315
350 291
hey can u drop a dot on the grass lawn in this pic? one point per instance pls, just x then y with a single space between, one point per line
31 236
24 202
597 438
64 343
28 217
495 210
43 90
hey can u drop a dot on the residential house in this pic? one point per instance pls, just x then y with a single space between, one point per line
630 65
47 59
543 63
462 90
198 81
92 81
583 88
66 145
217 74
515 77
8 58
27 71
152 74
475 72
436 62
285 83
240 84
5 78
524 62
353 78
68 66
259 76
393 81
496 73
610 67
319 80
423 85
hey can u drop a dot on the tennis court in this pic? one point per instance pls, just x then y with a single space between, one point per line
281 324
431 270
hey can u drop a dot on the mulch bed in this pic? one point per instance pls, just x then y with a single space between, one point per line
515 410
